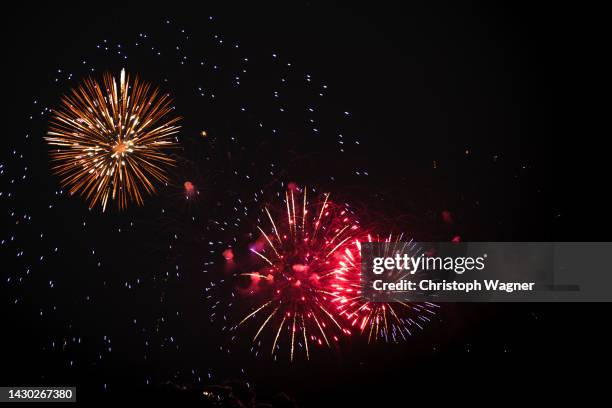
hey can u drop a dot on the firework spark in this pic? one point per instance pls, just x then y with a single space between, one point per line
299 254
110 140
385 321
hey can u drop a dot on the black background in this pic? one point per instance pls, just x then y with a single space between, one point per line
426 82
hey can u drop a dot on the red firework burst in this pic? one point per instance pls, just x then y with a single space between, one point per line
300 252
386 321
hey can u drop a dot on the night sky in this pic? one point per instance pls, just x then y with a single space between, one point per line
431 120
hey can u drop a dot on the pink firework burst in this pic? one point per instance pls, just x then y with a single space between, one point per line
300 250
384 321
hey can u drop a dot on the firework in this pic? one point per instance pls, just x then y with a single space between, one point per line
109 140
299 254
385 321
189 190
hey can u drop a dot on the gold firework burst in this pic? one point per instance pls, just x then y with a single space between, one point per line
111 141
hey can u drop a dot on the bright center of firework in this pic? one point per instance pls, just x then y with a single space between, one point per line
121 147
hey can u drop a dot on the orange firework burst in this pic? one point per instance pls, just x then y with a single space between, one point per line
110 140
